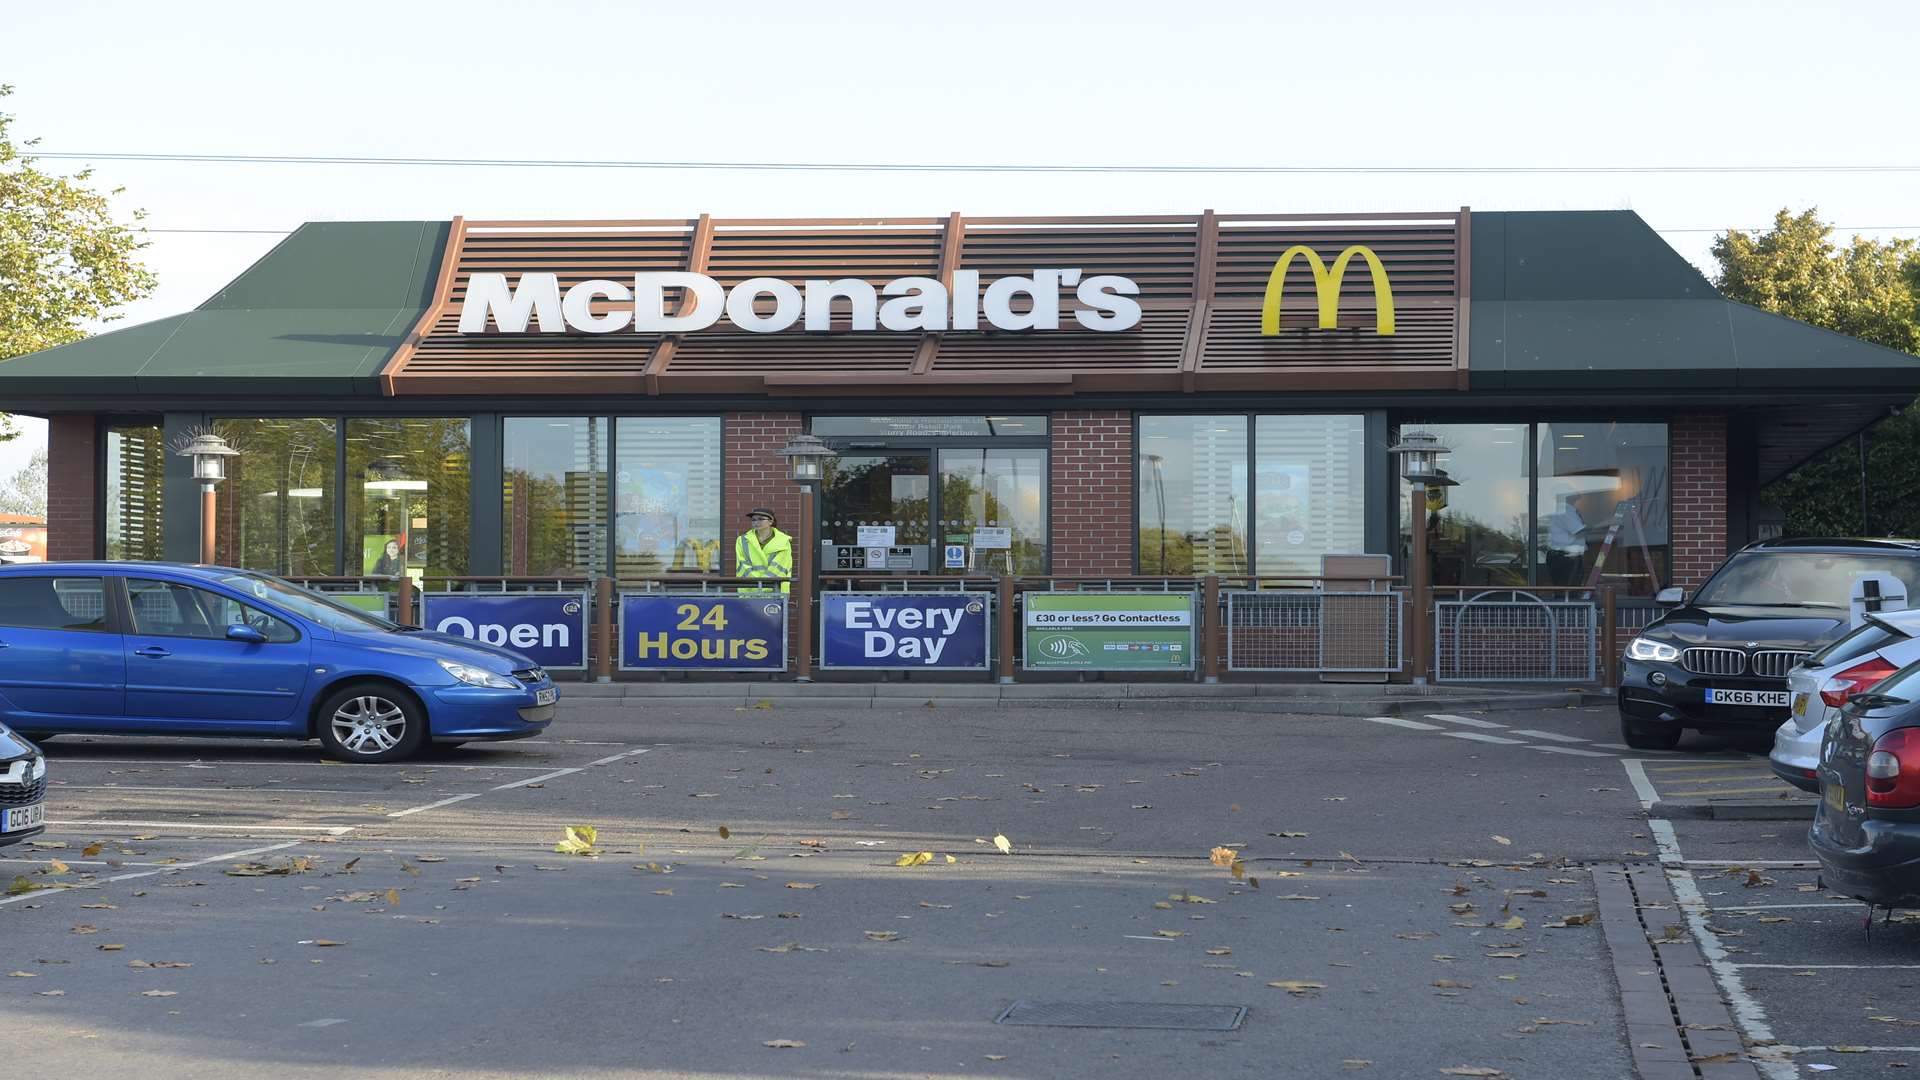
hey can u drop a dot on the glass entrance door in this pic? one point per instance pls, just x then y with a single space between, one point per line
890 489
993 503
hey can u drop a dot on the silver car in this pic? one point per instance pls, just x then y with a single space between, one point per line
1822 683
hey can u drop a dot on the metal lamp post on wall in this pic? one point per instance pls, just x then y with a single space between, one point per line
807 459
209 453
1419 453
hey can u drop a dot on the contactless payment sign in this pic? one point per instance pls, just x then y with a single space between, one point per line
1109 631
903 630
663 632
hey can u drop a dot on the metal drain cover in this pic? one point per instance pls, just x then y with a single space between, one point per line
1123 1014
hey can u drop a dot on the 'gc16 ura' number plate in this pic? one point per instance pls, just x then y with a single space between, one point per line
1776 698
21 818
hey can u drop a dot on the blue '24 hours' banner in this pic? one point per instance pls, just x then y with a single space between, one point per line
903 631
548 628
714 633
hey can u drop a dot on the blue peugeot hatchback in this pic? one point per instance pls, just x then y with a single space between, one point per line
167 649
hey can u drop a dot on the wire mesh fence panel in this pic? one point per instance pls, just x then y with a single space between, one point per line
1313 631
1524 639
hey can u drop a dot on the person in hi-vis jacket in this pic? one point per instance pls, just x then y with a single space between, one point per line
763 551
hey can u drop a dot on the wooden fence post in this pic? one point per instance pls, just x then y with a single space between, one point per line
603 629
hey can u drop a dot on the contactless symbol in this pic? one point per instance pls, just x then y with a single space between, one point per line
1063 647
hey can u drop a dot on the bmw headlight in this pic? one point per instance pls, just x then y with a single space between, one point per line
474 676
1645 648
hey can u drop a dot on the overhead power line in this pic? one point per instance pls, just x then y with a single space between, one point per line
1690 229
961 167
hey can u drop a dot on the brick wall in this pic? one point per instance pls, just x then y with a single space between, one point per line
1090 496
757 475
73 521
1699 451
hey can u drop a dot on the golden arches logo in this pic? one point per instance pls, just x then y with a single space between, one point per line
1326 287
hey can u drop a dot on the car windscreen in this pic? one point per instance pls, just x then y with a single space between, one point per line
309 605
1799 578
1868 637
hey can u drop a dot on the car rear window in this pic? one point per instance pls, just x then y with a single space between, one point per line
1869 637
53 603
1904 683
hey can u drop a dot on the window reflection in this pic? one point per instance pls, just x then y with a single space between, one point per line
276 506
667 496
1310 492
1193 495
1603 496
1477 529
555 497
996 489
407 497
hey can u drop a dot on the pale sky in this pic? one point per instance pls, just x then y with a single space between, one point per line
1394 83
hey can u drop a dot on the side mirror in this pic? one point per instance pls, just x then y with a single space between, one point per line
243 632
1671 596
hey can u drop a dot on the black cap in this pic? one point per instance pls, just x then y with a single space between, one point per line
763 510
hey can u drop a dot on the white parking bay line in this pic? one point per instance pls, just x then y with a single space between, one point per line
535 779
290 763
1550 736
229 856
1839 905
1464 721
1570 750
611 758
434 805
1477 737
330 830
1411 725
1832 967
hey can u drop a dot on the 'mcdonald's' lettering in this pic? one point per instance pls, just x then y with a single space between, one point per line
912 304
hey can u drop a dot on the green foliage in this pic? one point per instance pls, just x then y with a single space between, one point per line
64 260
1870 290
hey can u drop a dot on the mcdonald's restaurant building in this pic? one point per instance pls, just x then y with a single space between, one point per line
1156 395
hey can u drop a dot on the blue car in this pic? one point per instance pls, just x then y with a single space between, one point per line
166 649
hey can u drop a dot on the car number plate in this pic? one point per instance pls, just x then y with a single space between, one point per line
1747 697
546 697
1799 704
1835 796
21 818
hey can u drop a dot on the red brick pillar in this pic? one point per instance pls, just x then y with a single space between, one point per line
1090 496
1698 448
757 474
73 497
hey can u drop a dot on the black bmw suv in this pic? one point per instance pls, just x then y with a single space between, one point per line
1719 660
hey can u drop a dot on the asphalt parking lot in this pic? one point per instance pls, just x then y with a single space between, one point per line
198 884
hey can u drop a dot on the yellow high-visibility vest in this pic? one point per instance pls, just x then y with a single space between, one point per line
774 559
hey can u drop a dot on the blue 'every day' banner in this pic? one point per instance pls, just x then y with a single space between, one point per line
714 633
903 631
548 628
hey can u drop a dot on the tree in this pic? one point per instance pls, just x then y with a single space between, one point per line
64 260
1870 290
26 492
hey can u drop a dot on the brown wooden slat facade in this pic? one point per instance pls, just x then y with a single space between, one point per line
1202 280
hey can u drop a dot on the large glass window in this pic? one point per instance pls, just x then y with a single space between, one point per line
996 488
1309 491
555 497
1193 495
1477 527
407 508
136 465
1603 500
1541 504
667 496
276 509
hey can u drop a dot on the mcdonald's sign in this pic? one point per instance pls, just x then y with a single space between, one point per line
1326 287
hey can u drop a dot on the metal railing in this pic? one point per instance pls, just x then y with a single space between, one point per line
1534 634
1313 624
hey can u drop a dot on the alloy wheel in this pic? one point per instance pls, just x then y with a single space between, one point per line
369 724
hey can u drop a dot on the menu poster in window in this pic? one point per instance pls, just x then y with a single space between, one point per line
1285 502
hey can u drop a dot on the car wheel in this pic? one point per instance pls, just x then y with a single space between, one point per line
370 722
1649 736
